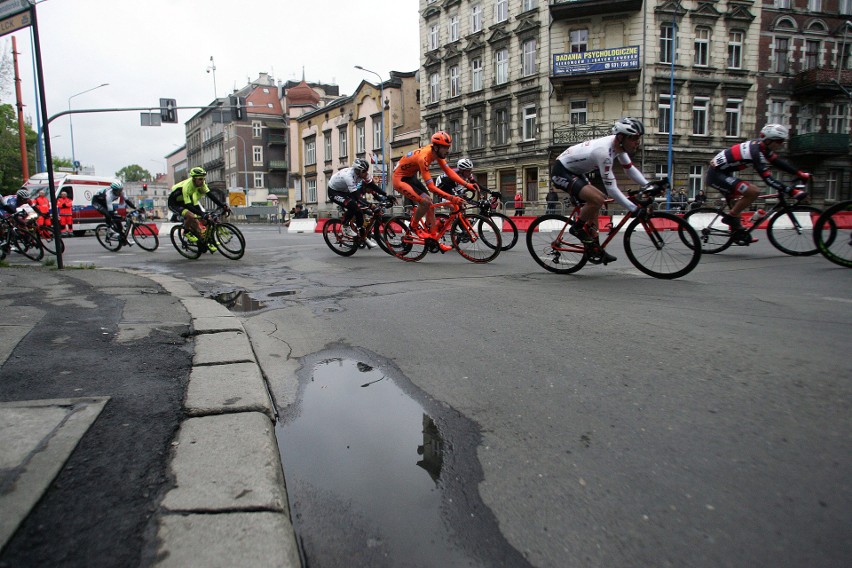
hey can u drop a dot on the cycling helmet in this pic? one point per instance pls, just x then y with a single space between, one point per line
360 165
774 132
23 194
629 126
116 186
197 172
464 164
441 138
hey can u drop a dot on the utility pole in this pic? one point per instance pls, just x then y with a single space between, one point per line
25 166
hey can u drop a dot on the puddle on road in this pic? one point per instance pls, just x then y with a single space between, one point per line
242 301
366 469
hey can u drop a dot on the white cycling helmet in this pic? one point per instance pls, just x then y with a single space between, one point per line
464 164
629 126
361 165
774 132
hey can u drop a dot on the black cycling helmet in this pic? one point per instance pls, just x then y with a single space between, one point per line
23 194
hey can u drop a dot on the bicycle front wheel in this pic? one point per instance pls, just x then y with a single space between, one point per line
833 234
108 238
187 249
145 237
663 246
553 247
338 237
29 245
230 241
792 231
509 230
476 238
401 241
713 234
49 244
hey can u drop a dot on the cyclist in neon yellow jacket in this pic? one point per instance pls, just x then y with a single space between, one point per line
184 201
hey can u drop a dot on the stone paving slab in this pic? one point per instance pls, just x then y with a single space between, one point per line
216 323
204 307
221 389
220 348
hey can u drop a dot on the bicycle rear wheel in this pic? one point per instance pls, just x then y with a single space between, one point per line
230 241
508 228
48 243
186 248
476 238
108 238
553 247
379 233
791 231
338 238
29 245
713 234
833 234
664 246
401 241
145 237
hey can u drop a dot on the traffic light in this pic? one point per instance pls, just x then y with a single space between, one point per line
238 106
144 187
168 110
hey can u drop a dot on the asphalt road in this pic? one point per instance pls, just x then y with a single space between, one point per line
603 418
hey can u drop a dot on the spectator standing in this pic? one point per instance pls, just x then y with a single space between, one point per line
519 204
66 213
552 198
42 204
300 212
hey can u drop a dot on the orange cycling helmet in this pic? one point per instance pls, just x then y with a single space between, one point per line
441 138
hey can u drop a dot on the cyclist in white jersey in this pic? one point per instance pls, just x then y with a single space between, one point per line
572 167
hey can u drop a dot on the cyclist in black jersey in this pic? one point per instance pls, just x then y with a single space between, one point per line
760 154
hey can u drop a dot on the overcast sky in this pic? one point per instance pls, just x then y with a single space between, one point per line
162 48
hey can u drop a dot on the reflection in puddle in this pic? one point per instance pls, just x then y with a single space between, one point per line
365 465
239 301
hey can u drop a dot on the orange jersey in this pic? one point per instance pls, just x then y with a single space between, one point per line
419 161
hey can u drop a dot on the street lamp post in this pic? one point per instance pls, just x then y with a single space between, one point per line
71 123
382 129
212 69
245 165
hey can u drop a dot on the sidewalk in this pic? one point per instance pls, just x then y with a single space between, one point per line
223 501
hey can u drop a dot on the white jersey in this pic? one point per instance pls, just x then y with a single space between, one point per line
599 154
345 181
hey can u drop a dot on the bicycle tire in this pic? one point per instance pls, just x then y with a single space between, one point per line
28 245
833 234
713 234
229 240
661 250
337 239
401 242
185 248
145 237
49 244
553 247
378 233
512 232
108 240
479 244
797 238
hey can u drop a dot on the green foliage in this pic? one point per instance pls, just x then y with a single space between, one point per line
61 163
11 173
133 172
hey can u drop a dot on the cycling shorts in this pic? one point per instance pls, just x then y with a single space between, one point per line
725 183
411 187
568 181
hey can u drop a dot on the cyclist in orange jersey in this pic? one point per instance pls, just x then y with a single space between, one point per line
406 182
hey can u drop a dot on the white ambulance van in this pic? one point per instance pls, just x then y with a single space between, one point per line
80 189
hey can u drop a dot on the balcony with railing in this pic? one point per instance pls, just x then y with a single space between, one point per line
279 165
822 81
278 138
821 143
570 134
571 9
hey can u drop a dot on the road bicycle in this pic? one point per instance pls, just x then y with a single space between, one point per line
789 227
486 209
215 234
344 239
18 235
475 237
659 244
134 228
833 233
48 243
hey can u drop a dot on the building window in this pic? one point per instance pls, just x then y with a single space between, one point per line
310 152
735 50
780 54
326 146
455 81
806 119
501 66
434 88
667 43
360 138
814 5
501 117
579 40
476 74
700 107
811 60
257 155
579 112
476 18
845 54
733 113
529 63
696 180
702 47
776 112
529 5
311 190
258 179
664 113
256 128
529 122
453 28
845 7
783 4
837 119
343 138
455 129
377 135
434 37
661 171
832 181
501 11
477 139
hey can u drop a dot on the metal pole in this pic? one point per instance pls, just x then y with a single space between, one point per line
71 124
213 69
672 105
382 128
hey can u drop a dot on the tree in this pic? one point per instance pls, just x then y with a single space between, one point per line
11 172
133 172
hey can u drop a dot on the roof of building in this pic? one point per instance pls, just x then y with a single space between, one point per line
302 94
